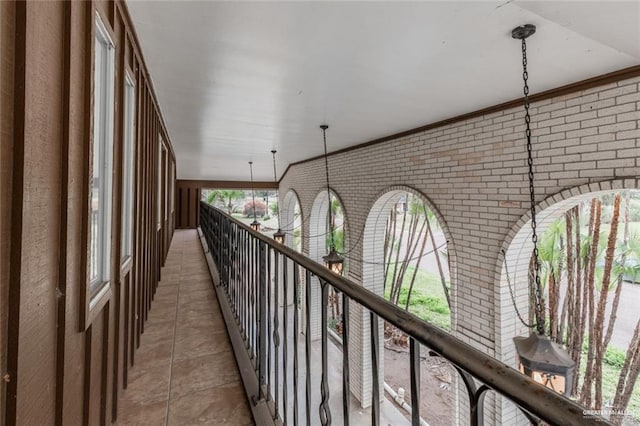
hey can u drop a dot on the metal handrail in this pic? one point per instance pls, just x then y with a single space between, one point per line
536 401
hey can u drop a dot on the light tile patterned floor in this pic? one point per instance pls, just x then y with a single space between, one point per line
185 372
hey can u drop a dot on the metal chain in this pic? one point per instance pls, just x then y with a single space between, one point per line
275 180
539 309
513 297
326 169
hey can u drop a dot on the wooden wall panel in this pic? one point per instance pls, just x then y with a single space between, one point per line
7 30
187 204
73 372
61 370
36 286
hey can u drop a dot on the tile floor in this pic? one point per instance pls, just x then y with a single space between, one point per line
185 372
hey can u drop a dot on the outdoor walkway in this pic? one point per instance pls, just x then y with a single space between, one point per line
185 372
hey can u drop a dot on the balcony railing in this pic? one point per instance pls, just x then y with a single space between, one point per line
252 266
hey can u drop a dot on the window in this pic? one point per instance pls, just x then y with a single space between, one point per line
127 168
172 179
159 182
166 184
101 158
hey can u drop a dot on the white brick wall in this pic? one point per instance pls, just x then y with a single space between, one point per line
474 174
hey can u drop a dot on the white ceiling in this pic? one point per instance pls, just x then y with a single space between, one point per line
237 79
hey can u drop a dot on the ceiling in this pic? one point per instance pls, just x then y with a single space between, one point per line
238 79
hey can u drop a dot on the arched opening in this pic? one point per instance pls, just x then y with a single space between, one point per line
291 220
589 251
406 258
319 240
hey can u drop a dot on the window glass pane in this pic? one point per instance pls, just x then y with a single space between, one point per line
171 185
166 183
95 237
159 182
101 152
127 170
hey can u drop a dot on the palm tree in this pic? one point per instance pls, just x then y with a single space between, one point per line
551 250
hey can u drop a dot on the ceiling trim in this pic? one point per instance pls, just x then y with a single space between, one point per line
589 83
227 184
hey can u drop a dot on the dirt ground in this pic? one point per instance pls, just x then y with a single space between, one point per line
436 389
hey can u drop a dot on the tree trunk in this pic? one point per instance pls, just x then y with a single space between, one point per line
553 306
602 302
579 318
389 243
417 266
436 252
392 290
623 259
569 308
412 245
628 375
596 210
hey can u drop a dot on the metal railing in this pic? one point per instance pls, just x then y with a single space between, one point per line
251 268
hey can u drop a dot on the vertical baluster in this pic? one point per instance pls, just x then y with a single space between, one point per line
276 334
375 394
250 294
234 289
346 388
268 331
242 282
229 253
252 301
414 354
237 260
307 344
285 352
325 410
256 304
245 286
262 320
241 260
296 287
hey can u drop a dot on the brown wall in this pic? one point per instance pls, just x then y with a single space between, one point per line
7 30
66 364
187 204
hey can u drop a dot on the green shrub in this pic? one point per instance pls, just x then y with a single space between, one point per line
614 356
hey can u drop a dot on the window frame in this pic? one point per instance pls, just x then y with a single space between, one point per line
100 78
159 183
128 168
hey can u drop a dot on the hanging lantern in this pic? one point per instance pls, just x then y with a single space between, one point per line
255 225
332 260
544 361
279 236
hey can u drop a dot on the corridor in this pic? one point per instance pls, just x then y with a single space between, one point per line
184 371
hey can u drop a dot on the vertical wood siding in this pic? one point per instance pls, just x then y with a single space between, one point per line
7 43
58 369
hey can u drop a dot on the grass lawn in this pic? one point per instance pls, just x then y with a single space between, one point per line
610 376
427 299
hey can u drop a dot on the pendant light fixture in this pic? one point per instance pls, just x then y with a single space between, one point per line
255 225
541 359
279 235
332 260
